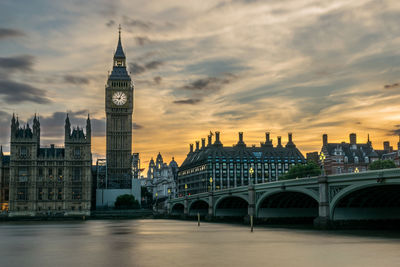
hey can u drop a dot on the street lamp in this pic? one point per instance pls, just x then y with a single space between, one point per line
186 189
251 171
356 170
211 180
322 159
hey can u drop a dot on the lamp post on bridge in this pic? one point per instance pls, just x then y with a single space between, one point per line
211 186
322 159
251 171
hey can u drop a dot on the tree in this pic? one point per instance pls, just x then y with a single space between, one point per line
126 202
309 169
382 164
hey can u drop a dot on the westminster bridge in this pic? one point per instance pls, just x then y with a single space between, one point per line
371 195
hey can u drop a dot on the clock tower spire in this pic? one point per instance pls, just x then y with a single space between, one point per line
119 109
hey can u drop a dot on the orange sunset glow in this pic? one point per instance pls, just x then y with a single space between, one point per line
304 67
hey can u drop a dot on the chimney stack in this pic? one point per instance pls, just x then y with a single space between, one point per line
267 137
353 139
203 143
324 139
217 137
279 141
290 137
240 137
197 145
209 140
191 148
386 146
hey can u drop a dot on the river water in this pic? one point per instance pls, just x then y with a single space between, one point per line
183 243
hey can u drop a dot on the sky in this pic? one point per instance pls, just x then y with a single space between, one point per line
303 66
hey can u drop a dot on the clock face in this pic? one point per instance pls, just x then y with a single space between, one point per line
119 98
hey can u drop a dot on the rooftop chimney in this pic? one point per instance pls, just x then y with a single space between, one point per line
324 139
191 148
203 143
209 140
240 142
197 145
353 139
279 141
268 141
290 143
217 141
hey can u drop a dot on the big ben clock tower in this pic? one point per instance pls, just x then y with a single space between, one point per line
119 108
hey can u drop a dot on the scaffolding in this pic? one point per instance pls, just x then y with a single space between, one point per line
101 169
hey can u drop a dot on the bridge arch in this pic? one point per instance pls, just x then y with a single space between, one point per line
293 203
231 206
198 206
177 209
370 201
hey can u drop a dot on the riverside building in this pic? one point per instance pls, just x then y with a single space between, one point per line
215 167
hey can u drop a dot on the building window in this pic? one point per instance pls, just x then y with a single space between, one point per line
77 152
22 193
77 174
40 193
60 194
50 171
23 151
50 194
23 174
60 173
76 193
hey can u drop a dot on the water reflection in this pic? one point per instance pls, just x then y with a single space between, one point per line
182 243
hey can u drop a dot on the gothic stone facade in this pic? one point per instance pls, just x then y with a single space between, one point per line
119 108
49 181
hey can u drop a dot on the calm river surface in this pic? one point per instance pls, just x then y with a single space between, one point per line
182 243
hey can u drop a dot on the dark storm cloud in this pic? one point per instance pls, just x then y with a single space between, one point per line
187 101
210 83
22 63
76 79
129 22
110 23
9 33
136 126
391 86
138 69
15 92
142 40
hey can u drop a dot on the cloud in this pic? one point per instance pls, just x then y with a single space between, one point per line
153 64
157 79
138 69
15 93
136 126
142 40
187 101
209 83
391 86
21 63
136 23
76 79
110 23
9 33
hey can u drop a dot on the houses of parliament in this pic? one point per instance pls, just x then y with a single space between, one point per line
43 181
